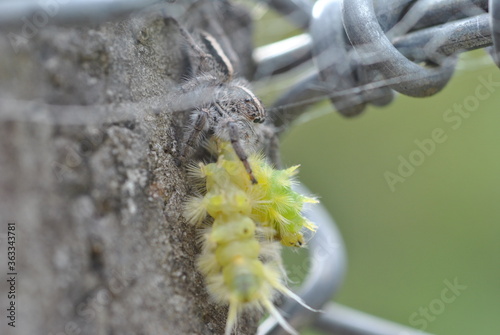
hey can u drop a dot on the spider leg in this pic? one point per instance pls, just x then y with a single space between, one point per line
192 138
204 59
223 64
220 35
213 59
234 136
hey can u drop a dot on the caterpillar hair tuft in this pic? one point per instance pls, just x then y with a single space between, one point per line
239 258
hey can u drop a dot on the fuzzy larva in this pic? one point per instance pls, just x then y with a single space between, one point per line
245 222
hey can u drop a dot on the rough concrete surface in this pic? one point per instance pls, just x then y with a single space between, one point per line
88 147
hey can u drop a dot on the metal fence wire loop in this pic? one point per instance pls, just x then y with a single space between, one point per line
370 47
338 70
374 49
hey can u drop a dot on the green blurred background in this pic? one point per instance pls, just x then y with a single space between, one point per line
441 223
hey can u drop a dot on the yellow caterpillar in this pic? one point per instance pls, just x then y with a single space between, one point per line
276 205
247 217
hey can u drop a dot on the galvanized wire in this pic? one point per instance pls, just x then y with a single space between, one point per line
16 13
297 11
341 320
361 48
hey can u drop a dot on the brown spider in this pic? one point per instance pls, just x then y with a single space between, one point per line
224 107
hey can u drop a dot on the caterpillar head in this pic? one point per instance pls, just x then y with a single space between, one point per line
292 240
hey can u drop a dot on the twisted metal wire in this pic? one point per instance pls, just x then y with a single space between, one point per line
363 50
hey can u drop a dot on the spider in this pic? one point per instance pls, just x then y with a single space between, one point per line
222 105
